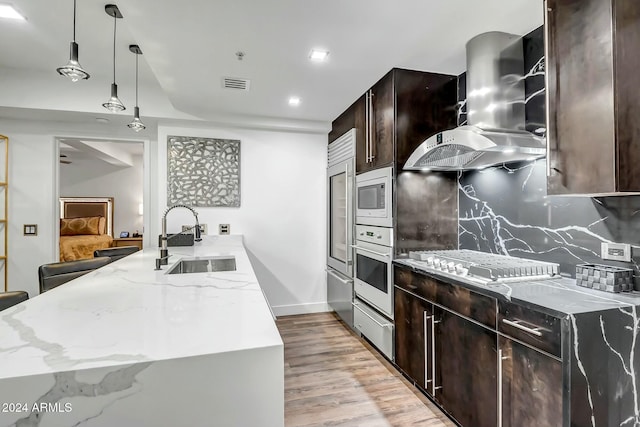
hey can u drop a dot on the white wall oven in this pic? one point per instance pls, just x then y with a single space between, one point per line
373 275
373 278
374 197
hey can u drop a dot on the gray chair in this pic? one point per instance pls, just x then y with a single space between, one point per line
9 299
116 253
58 273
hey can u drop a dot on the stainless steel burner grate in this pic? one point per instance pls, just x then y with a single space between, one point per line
484 266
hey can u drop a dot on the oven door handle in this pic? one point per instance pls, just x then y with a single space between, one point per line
360 248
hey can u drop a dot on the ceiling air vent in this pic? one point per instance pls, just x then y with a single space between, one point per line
236 83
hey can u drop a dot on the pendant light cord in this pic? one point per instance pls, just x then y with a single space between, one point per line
74 20
137 79
115 20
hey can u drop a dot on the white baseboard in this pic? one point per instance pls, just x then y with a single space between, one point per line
313 307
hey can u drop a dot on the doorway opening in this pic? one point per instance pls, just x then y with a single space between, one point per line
99 178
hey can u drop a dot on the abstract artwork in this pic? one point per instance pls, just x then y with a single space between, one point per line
203 172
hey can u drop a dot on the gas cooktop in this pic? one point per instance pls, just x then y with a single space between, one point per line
484 267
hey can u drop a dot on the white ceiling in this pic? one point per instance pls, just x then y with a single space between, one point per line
117 153
190 45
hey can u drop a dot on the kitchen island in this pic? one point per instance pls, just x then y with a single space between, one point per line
127 345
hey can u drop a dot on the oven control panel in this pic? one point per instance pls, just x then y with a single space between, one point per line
378 235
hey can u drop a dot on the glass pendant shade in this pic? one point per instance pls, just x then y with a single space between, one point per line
136 124
114 104
73 69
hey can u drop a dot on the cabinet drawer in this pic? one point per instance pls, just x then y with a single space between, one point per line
459 299
376 328
530 326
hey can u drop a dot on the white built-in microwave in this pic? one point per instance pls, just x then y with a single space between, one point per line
374 197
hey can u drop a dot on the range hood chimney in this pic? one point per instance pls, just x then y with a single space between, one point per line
495 133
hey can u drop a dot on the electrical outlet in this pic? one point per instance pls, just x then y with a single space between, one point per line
224 229
203 229
615 251
30 230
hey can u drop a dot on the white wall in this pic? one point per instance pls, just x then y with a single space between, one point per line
282 214
33 168
96 178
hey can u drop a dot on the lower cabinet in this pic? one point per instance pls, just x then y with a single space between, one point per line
466 370
412 319
487 363
531 386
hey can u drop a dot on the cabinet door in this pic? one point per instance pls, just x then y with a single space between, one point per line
344 122
466 370
531 387
413 351
581 128
362 165
383 116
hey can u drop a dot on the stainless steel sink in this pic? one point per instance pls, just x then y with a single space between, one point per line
204 265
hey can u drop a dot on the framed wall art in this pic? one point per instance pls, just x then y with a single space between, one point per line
203 172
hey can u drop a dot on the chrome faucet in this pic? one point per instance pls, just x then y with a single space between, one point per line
164 252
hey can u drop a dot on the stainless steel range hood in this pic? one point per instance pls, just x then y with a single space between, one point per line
495 112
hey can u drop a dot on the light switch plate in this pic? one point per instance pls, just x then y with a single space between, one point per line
224 229
30 230
615 251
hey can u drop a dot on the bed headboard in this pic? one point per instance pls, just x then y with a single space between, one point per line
77 207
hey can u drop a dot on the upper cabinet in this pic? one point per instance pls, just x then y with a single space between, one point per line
400 111
592 94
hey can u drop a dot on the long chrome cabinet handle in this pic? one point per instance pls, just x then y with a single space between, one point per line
366 127
518 325
382 325
433 355
499 387
426 350
547 33
347 227
371 126
370 251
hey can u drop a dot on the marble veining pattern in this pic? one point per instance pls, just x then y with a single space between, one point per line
505 210
113 341
576 352
599 345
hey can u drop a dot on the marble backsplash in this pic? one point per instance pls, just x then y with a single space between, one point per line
505 210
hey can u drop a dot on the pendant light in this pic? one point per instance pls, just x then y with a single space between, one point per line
73 69
114 104
136 124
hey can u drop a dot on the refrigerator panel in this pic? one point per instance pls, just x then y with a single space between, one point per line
338 217
340 295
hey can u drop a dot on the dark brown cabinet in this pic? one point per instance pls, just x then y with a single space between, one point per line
400 111
466 370
412 319
530 386
487 363
593 133
352 117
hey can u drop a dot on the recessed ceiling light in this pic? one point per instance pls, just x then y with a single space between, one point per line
102 120
294 101
318 55
8 11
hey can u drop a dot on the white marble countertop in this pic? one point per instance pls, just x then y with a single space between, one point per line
126 312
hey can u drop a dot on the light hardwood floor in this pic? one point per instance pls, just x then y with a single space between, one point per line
333 378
